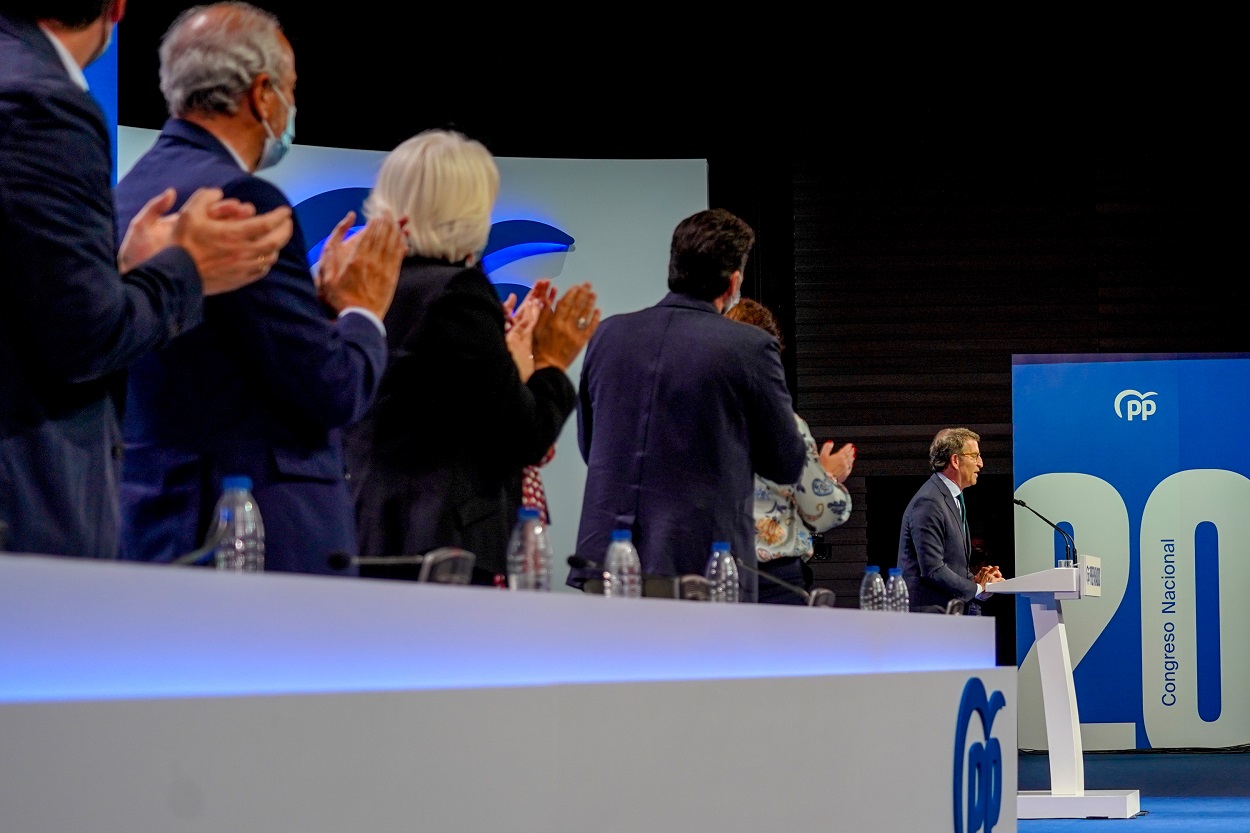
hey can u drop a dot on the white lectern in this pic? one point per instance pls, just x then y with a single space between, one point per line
1067 797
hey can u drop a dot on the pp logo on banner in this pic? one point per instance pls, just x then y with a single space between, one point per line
983 766
1139 405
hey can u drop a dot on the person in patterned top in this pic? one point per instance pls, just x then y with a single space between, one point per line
787 515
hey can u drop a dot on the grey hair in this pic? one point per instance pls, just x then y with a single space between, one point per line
445 184
948 442
211 54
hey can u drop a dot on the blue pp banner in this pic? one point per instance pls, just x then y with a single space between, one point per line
1144 461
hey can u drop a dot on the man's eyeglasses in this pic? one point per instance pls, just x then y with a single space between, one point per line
975 455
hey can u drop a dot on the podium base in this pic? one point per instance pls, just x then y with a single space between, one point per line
1094 804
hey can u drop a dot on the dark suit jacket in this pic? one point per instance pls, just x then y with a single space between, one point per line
436 461
68 321
678 409
931 550
261 388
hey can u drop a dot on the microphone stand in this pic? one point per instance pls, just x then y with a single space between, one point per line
211 541
824 598
793 588
1069 545
384 560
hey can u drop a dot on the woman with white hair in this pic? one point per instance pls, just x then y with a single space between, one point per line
436 461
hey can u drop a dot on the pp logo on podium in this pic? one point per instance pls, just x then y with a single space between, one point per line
979 765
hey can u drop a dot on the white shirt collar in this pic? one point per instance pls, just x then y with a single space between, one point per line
238 159
71 66
950 484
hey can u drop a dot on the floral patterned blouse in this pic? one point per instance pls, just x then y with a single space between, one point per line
786 516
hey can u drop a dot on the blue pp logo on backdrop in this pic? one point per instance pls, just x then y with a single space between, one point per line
979 765
509 240
1135 404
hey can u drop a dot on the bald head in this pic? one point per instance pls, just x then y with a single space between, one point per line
212 54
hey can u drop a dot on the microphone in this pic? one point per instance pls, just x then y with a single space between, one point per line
4 536
1069 545
579 563
794 588
211 541
441 565
339 560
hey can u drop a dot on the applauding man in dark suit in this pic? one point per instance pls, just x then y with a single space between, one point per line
77 309
678 409
934 544
263 386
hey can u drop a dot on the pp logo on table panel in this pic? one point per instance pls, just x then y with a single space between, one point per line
979 766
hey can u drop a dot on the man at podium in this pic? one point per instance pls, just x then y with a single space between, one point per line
934 545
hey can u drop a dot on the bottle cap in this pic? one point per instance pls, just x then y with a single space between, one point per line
872 568
526 513
895 571
236 481
621 535
718 546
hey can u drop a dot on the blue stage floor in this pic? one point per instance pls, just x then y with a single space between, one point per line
1181 792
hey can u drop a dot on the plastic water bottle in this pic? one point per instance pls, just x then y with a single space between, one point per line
872 589
722 574
896 592
529 552
240 531
622 569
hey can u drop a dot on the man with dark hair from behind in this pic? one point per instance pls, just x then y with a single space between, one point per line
264 386
78 308
678 409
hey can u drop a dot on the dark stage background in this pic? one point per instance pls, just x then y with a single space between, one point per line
919 221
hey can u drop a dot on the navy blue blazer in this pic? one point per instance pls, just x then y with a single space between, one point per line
68 320
262 388
932 552
678 409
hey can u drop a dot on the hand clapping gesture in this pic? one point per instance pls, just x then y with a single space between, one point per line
837 464
363 270
522 320
563 330
230 243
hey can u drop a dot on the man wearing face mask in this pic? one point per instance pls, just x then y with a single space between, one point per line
78 307
264 385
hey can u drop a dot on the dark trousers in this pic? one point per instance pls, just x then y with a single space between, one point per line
789 570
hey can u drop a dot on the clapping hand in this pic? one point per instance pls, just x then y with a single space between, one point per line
837 464
230 244
563 330
520 333
362 270
334 251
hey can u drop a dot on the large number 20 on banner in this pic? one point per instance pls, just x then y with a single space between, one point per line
1145 461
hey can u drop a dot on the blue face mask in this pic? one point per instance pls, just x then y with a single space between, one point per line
276 147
